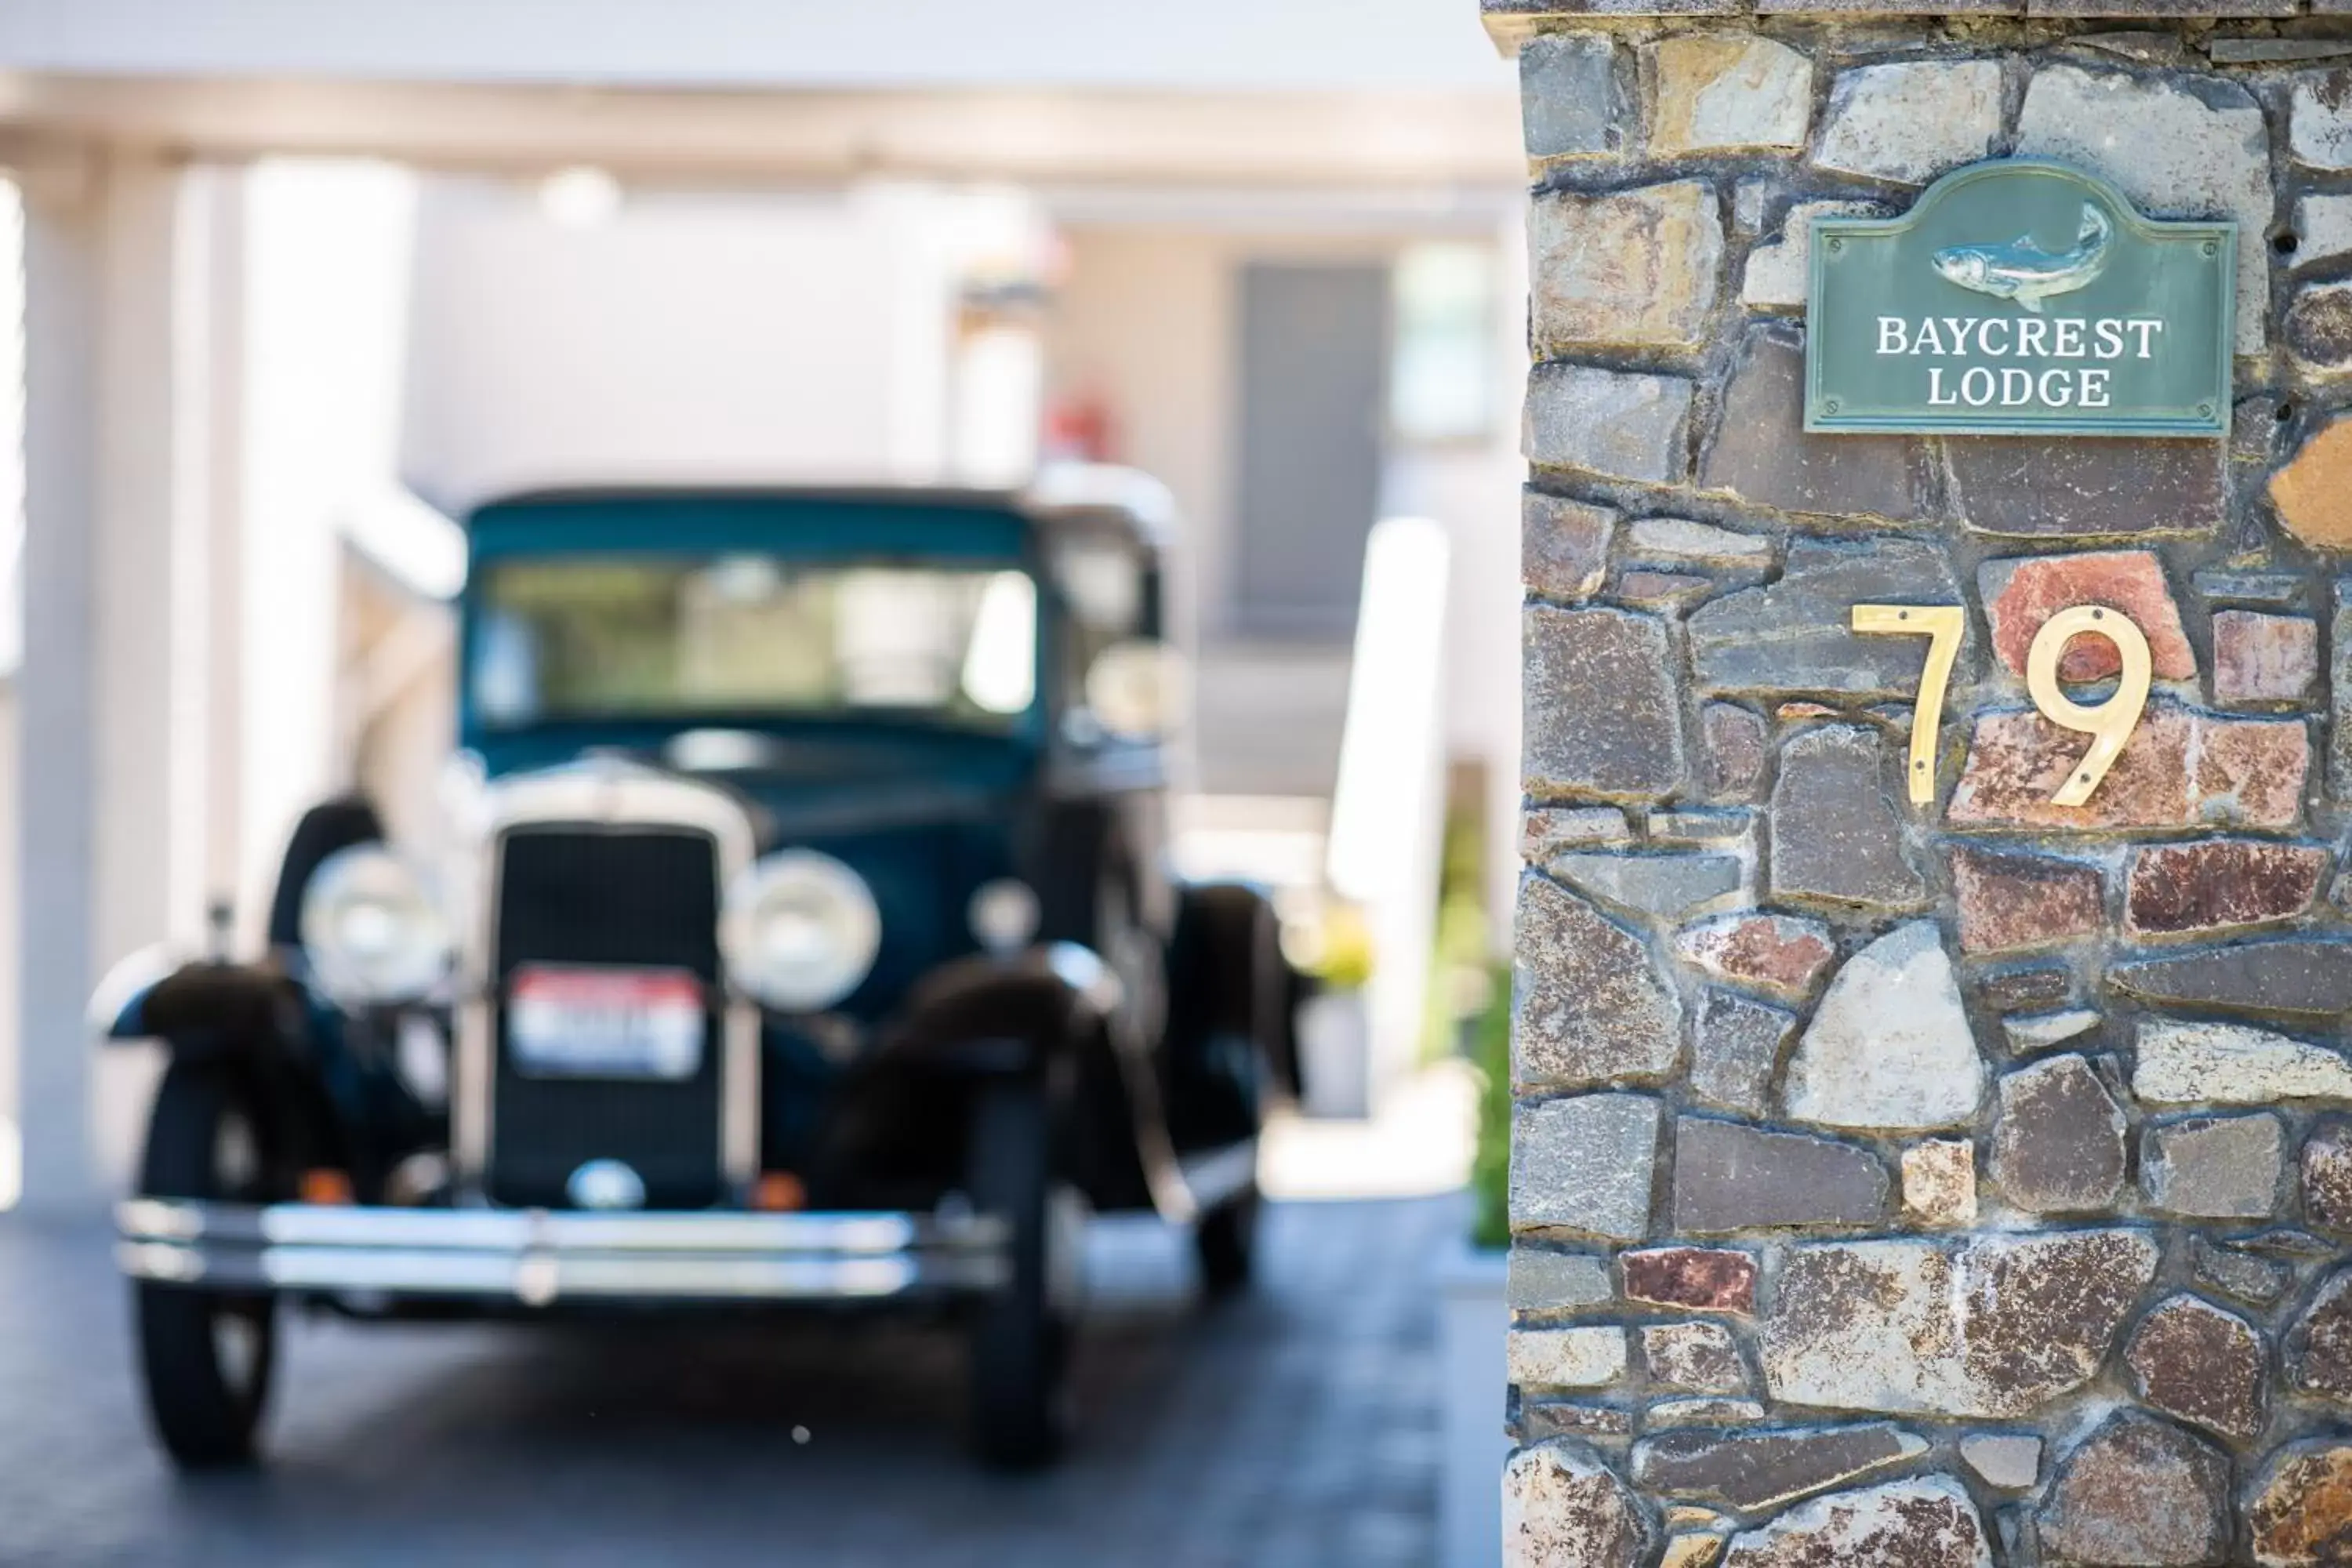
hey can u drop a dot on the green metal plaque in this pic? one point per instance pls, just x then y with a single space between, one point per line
2021 298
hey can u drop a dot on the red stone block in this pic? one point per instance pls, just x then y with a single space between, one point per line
2180 769
2221 882
2008 901
2019 596
1695 1278
2264 659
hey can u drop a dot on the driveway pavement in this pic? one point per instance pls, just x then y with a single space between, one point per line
1293 1429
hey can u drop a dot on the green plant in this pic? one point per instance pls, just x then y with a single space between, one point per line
1490 1164
1343 954
1463 950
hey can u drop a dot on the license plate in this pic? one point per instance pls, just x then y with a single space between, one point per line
605 1023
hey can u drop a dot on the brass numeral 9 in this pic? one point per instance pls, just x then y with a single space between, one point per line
2112 721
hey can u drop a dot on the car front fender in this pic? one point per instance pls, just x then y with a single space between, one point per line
200 1008
1054 1013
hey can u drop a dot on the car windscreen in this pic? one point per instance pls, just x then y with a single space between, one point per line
637 637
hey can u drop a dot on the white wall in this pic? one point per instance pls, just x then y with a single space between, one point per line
753 336
1147 318
326 249
1144 320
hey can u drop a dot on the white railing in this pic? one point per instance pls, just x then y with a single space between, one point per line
1388 809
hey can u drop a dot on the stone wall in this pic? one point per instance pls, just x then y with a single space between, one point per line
1964 1182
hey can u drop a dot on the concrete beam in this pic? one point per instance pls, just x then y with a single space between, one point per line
1397 139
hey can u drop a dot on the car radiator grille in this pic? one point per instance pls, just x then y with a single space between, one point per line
603 896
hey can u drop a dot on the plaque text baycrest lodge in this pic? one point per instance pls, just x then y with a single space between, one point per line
2021 297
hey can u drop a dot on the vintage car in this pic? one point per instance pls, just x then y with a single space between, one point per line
808 936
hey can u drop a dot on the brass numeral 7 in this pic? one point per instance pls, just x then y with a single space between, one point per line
1942 625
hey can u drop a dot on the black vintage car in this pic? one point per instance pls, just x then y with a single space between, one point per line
808 937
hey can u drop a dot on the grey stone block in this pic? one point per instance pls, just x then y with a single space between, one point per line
2240 1274
1621 425
1680 539
2214 1167
2310 977
1585 1164
2058 1139
1637 269
2179 147
2339 728
1590 1003
1762 453
2026 488
2323 225
1563 545
1796 636
1836 833
1719 91
1665 885
1755 1472
2140 1490
1541 1279
1735 1045
1777 275
2011 1461
2271 590
1909 120
1569 101
1988 1326
1603 713
1549 830
1729 1177
1890 1047
1926 1521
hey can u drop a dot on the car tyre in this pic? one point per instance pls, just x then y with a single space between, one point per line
1021 1332
207 1355
1225 1243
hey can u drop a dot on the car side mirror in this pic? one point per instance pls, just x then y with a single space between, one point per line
1137 690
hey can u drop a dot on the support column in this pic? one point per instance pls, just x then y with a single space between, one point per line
1910 1163
112 696
56 895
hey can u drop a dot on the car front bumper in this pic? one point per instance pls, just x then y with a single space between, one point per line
536 1257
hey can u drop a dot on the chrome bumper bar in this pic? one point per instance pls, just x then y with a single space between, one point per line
536 1257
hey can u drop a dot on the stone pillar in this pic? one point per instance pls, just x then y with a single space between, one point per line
1962 1182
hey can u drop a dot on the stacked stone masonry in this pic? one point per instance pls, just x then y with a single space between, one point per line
1967 1183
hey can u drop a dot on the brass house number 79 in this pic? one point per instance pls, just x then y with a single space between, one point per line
2110 723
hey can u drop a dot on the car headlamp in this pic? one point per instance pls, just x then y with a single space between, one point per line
799 930
1003 916
371 933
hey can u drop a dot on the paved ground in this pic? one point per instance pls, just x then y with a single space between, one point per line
1295 1428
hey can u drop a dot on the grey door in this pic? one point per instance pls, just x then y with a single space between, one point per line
1314 353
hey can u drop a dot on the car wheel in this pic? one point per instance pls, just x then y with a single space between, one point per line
207 1354
1021 1332
1226 1241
